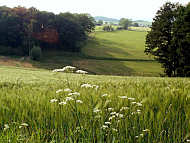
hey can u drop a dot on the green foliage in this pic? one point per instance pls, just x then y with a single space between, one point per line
125 23
168 39
120 109
108 28
36 53
21 27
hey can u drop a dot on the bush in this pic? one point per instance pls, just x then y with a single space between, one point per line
36 53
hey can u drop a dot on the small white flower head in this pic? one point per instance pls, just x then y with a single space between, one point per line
63 103
24 124
86 86
146 130
105 95
108 123
124 108
112 117
95 87
110 109
105 127
187 140
67 90
53 100
137 137
58 91
120 116
69 68
74 94
141 135
139 104
81 72
69 99
123 97
6 126
79 101
58 70
113 113
130 98
115 130
96 110
133 103
138 110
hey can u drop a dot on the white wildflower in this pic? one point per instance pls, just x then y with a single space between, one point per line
113 113
60 90
146 130
139 104
69 98
67 90
104 127
108 123
141 135
81 72
58 70
74 94
96 110
115 130
6 126
79 101
187 140
95 86
87 85
69 68
124 108
63 103
24 124
120 116
110 118
110 109
133 103
123 97
138 110
136 136
104 95
131 98
53 100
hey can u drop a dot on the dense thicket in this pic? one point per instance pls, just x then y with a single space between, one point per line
21 29
169 39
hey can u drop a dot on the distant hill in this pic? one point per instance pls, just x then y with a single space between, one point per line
106 19
143 22
116 21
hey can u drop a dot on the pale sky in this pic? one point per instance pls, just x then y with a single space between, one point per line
133 9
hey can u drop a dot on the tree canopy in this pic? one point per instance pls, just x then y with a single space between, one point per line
125 23
21 28
169 39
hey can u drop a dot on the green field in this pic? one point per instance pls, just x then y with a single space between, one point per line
108 109
117 44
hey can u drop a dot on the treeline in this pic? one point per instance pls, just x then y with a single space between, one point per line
22 28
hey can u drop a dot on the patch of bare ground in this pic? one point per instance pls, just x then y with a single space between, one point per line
19 62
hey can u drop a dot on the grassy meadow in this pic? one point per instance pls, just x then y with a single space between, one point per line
44 106
105 53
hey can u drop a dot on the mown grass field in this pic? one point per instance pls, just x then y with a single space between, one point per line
117 44
37 106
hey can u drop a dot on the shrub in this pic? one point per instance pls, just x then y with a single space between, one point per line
36 53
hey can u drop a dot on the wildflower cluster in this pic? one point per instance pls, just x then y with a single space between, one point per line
70 69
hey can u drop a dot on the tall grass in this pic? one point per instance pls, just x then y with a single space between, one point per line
121 110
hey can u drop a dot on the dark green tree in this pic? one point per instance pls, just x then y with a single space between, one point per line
168 39
125 23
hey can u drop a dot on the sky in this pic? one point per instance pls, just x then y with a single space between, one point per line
132 9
